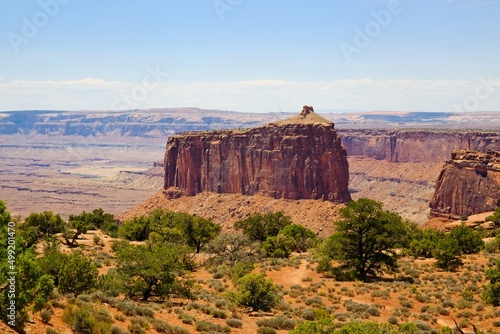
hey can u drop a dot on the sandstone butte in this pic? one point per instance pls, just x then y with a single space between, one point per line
298 158
468 184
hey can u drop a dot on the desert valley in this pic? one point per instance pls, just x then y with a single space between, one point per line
249 167
437 170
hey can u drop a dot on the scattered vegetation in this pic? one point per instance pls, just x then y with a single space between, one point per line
495 218
149 281
491 293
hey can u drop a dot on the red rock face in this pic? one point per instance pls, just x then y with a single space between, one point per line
415 145
292 161
468 184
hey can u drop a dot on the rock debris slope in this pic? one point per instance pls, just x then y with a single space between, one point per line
297 158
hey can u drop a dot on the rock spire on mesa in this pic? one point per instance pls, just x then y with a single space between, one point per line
298 158
306 116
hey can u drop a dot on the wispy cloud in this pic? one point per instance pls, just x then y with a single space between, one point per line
263 95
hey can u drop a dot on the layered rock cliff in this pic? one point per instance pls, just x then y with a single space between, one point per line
468 184
415 145
299 158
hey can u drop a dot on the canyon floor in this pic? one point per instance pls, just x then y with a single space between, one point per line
71 178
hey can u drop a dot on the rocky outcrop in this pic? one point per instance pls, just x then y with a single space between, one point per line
415 145
468 184
299 158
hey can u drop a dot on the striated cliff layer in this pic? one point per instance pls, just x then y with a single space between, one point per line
299 158
415 145
468 184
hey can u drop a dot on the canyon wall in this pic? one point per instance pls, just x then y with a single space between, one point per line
415 145
468 184
288 159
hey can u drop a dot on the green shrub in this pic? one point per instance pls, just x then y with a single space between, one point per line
495 217
277 247
162 327
414 327
160 271
50 330
266 330
314 301
136 329
234 323
448 303
119 330
308 314
128 308
46 315
257 292
82 320
469 241
492 246
424 243
373 311
443 311
205 326
120 317
39 226
392 320
137 229
145 311
278 322
218 314
240 269
220 304
326 325
258 226
447 254
300 237
491 294
77 274
141 321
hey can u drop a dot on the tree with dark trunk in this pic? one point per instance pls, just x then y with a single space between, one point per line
365 240
152 270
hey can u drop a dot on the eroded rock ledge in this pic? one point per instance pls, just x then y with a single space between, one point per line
468 184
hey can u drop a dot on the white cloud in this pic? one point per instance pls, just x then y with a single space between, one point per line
256 95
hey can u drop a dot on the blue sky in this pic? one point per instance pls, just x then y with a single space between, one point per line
250 55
